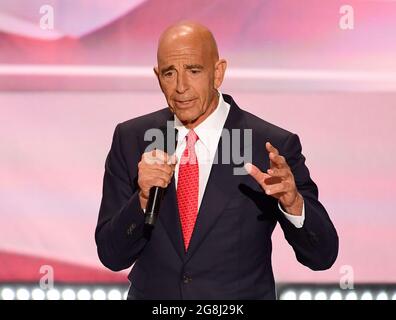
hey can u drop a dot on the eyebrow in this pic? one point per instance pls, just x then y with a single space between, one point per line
193 66
186 66
164 70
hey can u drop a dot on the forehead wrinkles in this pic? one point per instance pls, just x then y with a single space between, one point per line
177 52
182 53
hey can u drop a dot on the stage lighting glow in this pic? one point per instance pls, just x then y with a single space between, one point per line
320 295
83 294
53 294
305 295
114 294
382 296
30 291
99 294
38 294
288 295
351 296
335 295
68 294
366 296
23 294
7 294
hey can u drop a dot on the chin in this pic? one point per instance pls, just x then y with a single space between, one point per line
185 116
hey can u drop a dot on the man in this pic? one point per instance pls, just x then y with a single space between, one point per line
212 239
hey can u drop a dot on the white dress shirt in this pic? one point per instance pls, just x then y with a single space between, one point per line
209 132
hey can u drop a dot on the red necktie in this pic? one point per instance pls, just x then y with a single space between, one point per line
187 188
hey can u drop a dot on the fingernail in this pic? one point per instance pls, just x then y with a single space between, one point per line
248 167
270 171
267 191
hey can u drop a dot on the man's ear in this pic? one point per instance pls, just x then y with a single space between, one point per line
156 71
220 68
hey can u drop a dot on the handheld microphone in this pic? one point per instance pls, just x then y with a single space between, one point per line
157 193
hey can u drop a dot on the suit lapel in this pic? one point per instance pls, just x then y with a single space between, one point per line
169 217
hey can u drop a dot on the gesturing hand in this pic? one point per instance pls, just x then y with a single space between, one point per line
278 181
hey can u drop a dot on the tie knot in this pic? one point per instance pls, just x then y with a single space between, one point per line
191 138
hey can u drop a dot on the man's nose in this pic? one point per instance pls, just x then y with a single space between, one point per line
182 83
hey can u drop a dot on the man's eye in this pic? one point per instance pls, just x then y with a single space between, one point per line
168 74
195 71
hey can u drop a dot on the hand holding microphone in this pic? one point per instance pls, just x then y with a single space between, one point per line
155 171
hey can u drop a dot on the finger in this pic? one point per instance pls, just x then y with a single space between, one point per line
150 157
276 188
281 173
278 160
162 156
156 156
166 158
144 193
160 174
271 148
165 168
148 179
256 173
173 160
159 181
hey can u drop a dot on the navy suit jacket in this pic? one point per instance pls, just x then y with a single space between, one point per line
229 256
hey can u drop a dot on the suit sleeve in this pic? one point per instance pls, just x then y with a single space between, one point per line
119 232
316 243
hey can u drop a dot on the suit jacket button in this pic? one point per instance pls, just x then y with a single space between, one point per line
130 229
187 279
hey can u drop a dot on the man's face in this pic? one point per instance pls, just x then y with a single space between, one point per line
186 72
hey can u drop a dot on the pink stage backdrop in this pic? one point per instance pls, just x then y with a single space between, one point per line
64 90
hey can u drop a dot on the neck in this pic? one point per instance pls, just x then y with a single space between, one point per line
207 113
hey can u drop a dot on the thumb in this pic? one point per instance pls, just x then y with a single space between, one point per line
173 159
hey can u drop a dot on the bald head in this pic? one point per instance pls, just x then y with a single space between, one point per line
190 32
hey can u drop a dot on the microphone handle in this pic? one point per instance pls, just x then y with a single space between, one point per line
153 205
